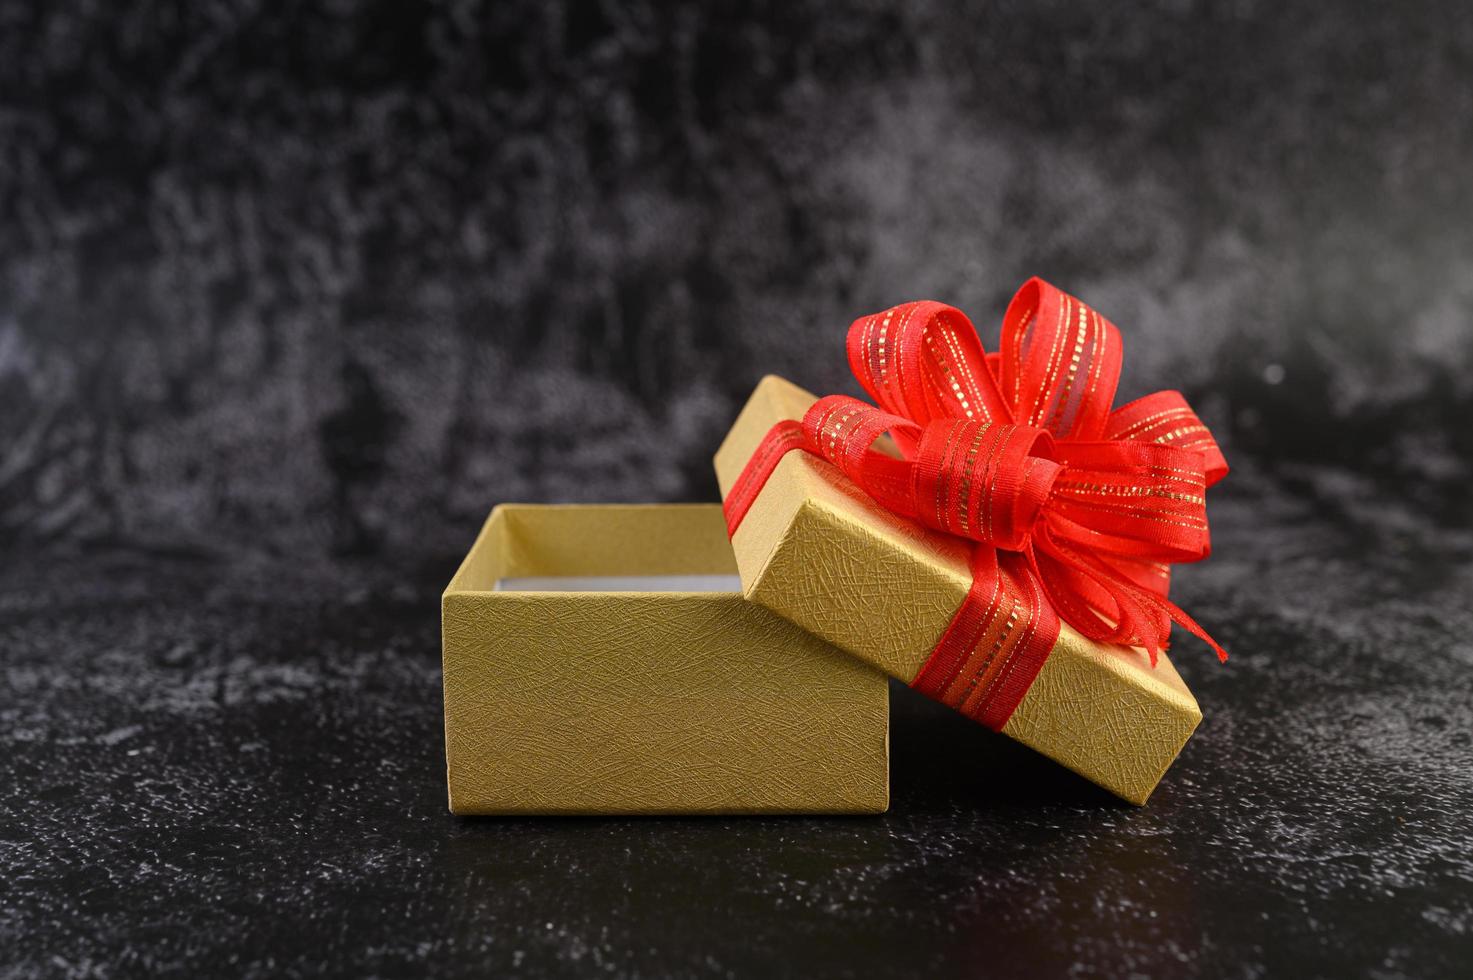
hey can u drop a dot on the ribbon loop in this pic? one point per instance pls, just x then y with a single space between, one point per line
843 430
924 361
1060 362
1166 419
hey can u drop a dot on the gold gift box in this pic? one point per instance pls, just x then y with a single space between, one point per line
644 702
816 549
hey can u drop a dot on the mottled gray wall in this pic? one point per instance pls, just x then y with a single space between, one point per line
294 282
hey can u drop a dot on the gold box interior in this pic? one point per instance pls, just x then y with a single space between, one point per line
644 702
817 550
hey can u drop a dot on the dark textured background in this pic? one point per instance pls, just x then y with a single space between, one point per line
290 296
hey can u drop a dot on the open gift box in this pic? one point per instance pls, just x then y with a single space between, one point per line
601 659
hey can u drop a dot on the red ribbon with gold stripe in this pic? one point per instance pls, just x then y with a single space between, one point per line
1077 510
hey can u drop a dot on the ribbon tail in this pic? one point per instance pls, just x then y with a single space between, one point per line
1181 618
1140 616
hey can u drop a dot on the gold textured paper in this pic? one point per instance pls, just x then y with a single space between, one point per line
817 550
644 702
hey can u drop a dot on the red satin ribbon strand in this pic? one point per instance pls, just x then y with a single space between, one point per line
781 439
996 643
1077 511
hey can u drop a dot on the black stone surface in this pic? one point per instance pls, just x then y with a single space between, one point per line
290 296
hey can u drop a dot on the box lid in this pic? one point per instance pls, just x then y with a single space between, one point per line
1101 710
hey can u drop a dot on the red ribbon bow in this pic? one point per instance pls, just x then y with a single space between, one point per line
1078 511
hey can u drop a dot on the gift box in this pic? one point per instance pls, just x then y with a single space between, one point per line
826 556
601 659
